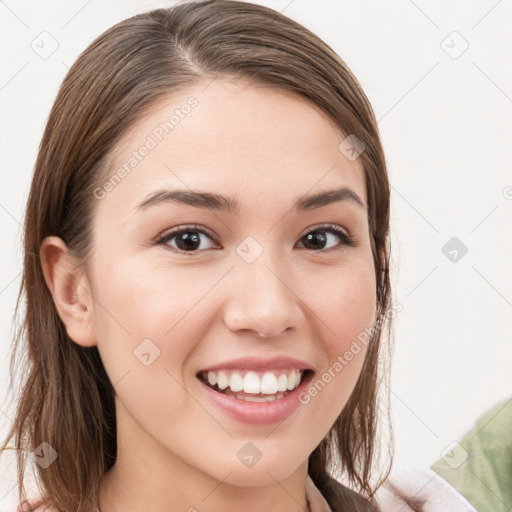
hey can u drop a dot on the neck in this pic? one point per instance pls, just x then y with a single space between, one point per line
147 476
117 492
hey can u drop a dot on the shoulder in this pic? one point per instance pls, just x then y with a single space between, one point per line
491 433
9 486
8 481
480 466
420 489
337 497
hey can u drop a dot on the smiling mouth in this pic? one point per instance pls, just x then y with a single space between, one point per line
254 386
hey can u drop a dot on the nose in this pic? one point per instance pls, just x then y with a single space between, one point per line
263 298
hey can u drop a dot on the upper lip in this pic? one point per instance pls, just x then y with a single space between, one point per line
259 364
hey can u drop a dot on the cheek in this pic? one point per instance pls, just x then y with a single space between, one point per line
143 314
346 310
144 337
346 305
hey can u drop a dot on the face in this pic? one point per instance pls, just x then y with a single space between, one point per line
185 284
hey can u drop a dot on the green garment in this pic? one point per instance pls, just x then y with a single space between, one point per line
480 467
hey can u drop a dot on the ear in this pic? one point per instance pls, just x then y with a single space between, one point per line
70 290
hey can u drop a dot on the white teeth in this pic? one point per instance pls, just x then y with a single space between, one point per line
269 398
252 383
282 382
292 381
222 380
236 383
212 378
269 384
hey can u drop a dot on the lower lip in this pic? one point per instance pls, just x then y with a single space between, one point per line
257 413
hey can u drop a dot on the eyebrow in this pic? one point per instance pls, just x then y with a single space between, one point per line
231 205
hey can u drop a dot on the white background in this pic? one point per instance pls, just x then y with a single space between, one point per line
446 126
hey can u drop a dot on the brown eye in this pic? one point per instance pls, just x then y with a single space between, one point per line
317 239
189 239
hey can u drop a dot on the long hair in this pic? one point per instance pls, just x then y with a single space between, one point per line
66 398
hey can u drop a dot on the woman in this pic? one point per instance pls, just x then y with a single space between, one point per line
206 273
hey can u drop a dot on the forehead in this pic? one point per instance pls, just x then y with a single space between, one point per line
230 136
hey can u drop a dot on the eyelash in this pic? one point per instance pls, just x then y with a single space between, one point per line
347 239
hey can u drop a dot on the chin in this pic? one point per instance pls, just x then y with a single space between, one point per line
259 475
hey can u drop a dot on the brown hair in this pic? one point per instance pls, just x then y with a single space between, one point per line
66 397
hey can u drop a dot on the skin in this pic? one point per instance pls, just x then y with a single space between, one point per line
266 148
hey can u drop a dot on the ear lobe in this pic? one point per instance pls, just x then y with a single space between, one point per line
70 290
